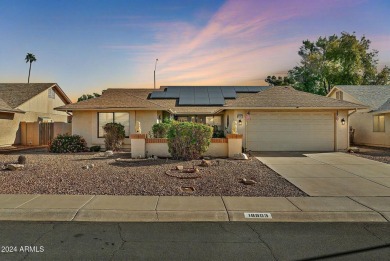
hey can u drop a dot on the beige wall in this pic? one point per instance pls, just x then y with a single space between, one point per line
158 149
342 131
217 150
39 106
84 123
346 97
161 149
363 124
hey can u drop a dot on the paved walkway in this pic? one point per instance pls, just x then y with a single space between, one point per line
187 208
331 174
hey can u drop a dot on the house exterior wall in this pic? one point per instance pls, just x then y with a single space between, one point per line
362 122
39 106
364 134
342 131
85 123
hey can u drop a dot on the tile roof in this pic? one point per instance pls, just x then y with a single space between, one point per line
15 94
371 95
275 97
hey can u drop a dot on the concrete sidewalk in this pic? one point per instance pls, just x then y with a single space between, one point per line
104 208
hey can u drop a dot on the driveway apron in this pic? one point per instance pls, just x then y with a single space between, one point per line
331 174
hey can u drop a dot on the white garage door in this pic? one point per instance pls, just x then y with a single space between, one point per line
290 131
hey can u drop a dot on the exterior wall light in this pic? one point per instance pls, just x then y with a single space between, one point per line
240 122
343 121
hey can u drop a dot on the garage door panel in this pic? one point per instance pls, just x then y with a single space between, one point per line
312 131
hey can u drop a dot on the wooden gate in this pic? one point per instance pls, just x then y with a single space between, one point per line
45 132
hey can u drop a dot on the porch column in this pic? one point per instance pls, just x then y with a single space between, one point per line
137 145
234 144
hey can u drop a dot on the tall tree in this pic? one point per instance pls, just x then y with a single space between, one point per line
383 77
88 96
334 60
30 58
278 81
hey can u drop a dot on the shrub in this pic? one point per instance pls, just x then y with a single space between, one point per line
114 136
66 143
95 148
160 130
188 140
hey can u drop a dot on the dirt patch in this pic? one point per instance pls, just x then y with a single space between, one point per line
47 173
374 153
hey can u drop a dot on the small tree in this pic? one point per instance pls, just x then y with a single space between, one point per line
114 136
188 140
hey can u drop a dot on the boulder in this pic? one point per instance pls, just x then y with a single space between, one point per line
248 182
108 153
240 156
14 167
179 167
22 159
205 163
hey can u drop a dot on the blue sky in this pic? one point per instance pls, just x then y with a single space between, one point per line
87 46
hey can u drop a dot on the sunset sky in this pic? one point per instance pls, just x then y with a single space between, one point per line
87 46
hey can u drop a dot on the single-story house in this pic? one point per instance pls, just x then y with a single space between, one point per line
372 125
28 102
268 118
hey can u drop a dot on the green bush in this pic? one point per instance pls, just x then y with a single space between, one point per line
66 143
160 130
188 140
114 136
96 148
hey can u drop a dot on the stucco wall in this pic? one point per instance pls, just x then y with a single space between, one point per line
39 106
158 148
84 123
363 124
342 131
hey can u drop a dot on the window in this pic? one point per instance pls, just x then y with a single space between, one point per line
51 94
214 120
339 95
379 123
118 117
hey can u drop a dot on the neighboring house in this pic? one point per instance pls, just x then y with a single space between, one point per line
34 102
269 118
372 125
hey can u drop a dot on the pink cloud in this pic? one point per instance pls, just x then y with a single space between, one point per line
238 44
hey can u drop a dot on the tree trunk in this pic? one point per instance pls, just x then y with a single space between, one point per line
29 71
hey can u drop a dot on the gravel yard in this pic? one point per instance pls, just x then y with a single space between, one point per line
374 153
47 173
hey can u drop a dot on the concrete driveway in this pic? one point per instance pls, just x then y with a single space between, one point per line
331 174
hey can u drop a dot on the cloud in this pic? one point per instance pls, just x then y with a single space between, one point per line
241 42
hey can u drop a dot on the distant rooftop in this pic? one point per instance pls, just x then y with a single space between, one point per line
373 96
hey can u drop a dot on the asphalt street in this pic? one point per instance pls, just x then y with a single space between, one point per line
194 241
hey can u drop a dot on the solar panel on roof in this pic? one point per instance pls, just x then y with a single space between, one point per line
241 89
186 100
201 101
229 92
157 95
217 100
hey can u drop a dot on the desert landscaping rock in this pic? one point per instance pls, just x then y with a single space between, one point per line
48 173
14 167
108 153
240 156
179 167
205 163
22 159
374 153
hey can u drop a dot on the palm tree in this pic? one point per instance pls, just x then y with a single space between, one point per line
30 58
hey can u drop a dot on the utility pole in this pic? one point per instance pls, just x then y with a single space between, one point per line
155 65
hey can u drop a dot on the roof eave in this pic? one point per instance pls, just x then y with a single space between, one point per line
109 109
